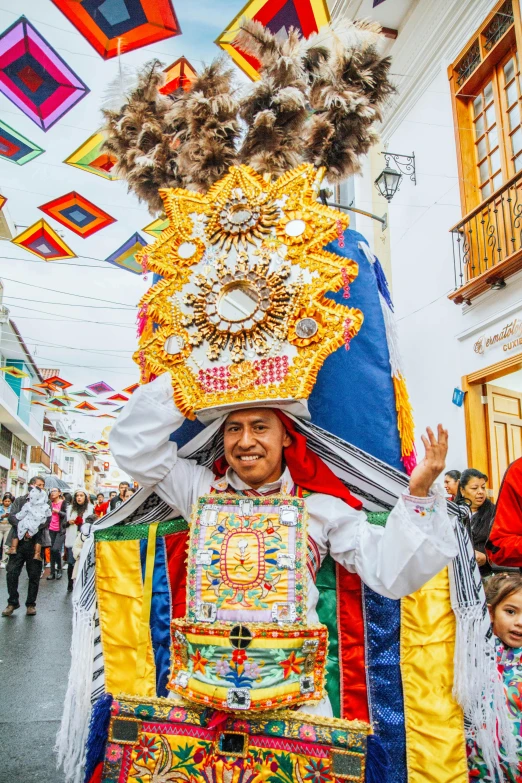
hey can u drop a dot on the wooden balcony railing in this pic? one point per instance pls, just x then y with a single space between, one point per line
487 243
39 456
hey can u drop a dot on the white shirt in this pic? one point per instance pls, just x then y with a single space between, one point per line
395 560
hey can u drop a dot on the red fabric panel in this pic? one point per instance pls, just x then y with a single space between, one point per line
505 540
97 774
176 546
352 659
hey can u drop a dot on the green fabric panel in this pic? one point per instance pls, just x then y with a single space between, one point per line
327 611
136 532
378 517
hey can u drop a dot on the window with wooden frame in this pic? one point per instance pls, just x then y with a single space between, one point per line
486 91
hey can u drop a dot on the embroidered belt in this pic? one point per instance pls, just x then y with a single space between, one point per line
248 667
153 739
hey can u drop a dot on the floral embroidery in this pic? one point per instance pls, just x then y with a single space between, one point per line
423 511
144 711
146 749
307 732
317 771
113 752
178 714
292 665
199 663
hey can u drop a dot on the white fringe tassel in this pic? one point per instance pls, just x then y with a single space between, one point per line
74 728
478 688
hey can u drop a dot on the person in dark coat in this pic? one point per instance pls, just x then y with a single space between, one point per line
24 556
472 496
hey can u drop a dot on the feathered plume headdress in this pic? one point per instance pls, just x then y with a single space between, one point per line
317 102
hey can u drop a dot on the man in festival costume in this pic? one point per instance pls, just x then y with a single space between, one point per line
220 605
504 547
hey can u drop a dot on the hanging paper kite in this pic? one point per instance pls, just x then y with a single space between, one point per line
3 200
307 16
15 372
105 416
100 387
106 402
113 27
125 256
33 391
78 214
118 397
43 241
84 393
55 402
157 227
38 402
90 157
179 74
54 383
85 406
131 389
15 147
34 76
102 444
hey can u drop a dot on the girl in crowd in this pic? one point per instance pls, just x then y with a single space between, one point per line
451 483
57 527
472 495
81 510
504 596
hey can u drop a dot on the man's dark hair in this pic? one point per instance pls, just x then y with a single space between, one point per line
34 479
454 474
124 483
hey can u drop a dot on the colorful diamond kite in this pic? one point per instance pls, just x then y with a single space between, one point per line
57 403
157 227
43 241
180 74
33 391
113 27
131 389
102 444
90 157
125 256
15 147
55 383
3 200
118 397
84 393
100 387
34 76
105 416
78 214
106 402
85 406
307 16
15 372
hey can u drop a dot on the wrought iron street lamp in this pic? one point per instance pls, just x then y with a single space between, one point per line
388 181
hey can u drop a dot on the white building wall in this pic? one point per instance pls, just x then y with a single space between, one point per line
436 351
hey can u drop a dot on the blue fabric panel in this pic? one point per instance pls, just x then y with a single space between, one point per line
353 397
160 613
386 701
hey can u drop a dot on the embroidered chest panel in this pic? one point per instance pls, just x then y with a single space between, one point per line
247 560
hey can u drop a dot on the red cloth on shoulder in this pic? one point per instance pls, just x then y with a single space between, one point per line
504 547
307 469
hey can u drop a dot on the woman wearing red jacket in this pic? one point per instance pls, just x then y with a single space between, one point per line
504 547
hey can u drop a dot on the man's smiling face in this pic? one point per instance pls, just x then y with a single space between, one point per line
254 442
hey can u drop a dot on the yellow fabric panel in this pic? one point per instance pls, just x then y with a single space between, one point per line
435 742
119 589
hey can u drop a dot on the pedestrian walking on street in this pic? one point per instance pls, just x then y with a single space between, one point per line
117 500
57 528
5 527
81 510
25 555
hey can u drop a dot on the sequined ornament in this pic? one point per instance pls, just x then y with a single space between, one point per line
241 310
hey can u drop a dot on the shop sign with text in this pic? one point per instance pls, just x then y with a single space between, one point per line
509 336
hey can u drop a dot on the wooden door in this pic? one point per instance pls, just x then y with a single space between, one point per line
504 426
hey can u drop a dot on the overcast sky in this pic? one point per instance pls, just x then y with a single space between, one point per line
79 315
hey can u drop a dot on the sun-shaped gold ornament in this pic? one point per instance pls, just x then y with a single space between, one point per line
241 313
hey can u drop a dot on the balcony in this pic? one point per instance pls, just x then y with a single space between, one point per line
40 457
487 243
57 471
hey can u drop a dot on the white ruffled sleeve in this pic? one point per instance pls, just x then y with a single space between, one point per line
396 560
139 441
